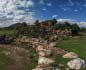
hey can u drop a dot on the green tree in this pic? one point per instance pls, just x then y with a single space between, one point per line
36 22
75 29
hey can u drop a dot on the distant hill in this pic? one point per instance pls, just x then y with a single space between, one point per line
17 25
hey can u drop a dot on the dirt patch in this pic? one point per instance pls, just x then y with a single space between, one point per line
20 56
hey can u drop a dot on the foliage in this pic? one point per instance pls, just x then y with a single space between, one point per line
62 26
75 29
83 30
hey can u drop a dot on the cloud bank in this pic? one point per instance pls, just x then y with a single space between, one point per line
71 21
12 11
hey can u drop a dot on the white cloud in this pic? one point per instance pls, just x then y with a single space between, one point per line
67 20
30 3
42 2
72 21
70 2
9 10
82 24
49 4
44 9
54 16
76 10
64 8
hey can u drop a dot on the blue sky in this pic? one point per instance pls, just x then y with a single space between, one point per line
68 9
12 11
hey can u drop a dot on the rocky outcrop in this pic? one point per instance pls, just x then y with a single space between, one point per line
44 51
76 64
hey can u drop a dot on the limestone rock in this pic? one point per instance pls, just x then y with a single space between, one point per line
70 55
52 44
41 53
76 63
57 69
39 48
38 69
44 60
43 67
45 52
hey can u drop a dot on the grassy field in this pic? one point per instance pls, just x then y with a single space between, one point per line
4 60
7 32
75 44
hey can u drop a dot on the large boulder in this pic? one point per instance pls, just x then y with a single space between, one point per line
76 64
44 60
70 55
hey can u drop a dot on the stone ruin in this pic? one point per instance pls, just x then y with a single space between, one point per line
44 49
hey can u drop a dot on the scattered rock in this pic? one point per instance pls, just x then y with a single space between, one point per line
61 65
44 53
43 67
52 44
76 64
44 50
6 53
57 69
38 69
44 60
39 48
70 55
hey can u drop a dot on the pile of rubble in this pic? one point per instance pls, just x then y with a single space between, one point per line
44 49
76 63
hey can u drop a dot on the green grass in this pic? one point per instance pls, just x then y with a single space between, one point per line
31 60
7 32
77 45
4 61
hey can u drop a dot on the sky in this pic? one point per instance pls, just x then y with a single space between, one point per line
12 11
